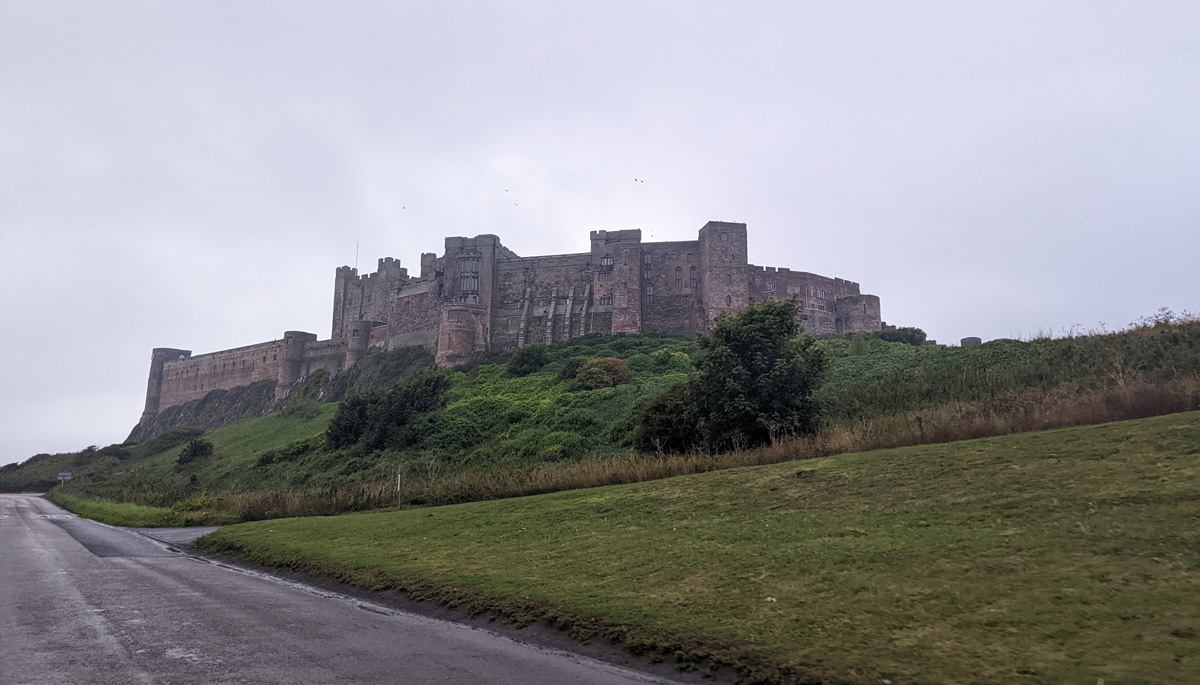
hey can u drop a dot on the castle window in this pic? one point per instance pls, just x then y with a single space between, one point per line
458 315
678 277
646 258
724 237
468 284
770 286
354 333
606 301
604 276
728 279
289 340
646 273
274 357
606 260
821 307
689 257
649 294
692 276
821 294
793 290
728 300
469 265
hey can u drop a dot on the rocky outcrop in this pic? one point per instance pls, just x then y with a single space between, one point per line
217 408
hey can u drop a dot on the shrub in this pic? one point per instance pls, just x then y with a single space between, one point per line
527 360
602 372
196 449
199 502
378 419
667 422
908 335
755 381
570 367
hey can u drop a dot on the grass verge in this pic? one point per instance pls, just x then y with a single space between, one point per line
1063 556
137 515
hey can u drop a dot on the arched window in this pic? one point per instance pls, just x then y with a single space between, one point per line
678 277
646 258
692 277
729 300
649 294
728 279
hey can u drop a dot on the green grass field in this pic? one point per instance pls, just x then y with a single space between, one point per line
1064 556
137 515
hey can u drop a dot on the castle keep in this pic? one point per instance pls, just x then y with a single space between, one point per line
480 296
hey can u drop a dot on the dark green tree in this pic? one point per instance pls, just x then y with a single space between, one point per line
527 360
755 378
907 335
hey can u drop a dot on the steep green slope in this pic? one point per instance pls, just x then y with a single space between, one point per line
1063 556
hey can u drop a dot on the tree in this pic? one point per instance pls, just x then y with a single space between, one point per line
755 379
908 335
527 360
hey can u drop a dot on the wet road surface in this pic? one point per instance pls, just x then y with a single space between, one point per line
81 602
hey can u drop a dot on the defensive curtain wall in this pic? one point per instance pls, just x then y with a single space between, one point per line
480 296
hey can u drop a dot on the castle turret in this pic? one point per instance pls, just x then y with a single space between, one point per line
857 314
360 339
158 357
291 367
462 333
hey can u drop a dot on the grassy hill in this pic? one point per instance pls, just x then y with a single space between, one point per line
1061 556
500 434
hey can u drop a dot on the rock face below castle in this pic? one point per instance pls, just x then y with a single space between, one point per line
479 296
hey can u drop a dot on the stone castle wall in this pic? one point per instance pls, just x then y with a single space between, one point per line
480 296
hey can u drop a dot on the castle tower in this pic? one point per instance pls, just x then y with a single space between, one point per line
291 367
724 277
461 334
617 261
345 282
858 314
358 342
158 357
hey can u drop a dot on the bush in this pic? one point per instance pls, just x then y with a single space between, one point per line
908 335
569 368
378 419
755 381
196 449
667 422
527 360
602 372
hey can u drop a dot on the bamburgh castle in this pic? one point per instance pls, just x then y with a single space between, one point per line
480 296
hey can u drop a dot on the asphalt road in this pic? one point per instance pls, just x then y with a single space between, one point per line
81 602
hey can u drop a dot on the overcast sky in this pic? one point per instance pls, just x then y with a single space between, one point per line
190 174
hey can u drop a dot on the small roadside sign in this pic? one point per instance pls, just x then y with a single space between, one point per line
64 476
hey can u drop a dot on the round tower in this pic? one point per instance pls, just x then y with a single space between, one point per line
291 367
358 342
461 334
858 314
